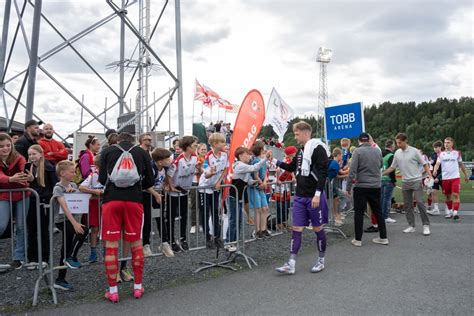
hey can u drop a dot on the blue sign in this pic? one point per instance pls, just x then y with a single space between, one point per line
344 121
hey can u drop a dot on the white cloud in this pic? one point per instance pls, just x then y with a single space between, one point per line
383 51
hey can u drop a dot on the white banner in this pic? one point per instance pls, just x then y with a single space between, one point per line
78 203
278 114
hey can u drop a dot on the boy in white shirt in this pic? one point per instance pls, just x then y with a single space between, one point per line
215 168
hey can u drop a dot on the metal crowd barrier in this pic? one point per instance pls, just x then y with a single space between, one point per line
25 206
166 225
331 195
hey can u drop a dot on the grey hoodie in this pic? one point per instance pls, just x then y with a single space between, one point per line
365 167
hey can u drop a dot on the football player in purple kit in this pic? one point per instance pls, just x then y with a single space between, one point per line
310 165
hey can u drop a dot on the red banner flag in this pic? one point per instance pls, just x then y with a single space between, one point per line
246 128
226 105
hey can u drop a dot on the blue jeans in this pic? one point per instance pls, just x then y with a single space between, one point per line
386 198
20 211
234 208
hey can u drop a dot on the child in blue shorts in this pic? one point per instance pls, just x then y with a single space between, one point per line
257 197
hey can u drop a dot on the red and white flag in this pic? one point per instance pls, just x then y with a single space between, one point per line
226 105
202 94
210 98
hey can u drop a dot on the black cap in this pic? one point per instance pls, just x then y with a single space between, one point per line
364 137
109 131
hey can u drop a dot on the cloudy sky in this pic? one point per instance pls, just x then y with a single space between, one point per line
383 50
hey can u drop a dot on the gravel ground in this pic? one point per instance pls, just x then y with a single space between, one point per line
89 282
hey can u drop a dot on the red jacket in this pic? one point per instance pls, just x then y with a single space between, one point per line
56 148
18 165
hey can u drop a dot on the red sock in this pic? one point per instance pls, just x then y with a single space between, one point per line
449 204
138 263
414 204
373 219
429 202
455 206
111 265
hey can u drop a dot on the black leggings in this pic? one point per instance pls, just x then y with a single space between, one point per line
162 227
177 207
31 222
72 242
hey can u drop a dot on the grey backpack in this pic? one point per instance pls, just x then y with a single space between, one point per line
125 172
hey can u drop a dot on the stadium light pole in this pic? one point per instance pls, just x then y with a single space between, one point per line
324 57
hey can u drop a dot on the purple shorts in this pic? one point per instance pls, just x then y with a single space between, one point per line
303 212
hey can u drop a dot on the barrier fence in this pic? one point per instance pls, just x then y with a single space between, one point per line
228 224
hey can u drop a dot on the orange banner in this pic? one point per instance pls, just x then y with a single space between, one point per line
247 126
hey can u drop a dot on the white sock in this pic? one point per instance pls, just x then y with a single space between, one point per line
436 206
376 226
137 286
113 289
455 212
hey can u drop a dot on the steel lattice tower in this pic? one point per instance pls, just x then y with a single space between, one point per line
324 57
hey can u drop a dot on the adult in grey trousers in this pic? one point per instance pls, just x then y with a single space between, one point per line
409 161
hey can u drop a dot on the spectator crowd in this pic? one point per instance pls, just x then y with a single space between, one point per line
127 181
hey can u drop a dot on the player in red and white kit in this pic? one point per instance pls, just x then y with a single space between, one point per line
451 161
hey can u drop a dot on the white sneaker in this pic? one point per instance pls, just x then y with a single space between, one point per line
390 220
357 243
193 230
434 212
381 241
32 265
410 229
230 248
287 268
319 266
167 251
426 230
448 214
455 215
147 251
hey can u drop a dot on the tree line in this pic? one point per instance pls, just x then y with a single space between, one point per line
424 123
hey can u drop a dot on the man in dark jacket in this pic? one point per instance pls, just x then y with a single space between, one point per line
123 208
310 165
28 139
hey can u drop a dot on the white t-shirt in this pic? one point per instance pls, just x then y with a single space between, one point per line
220 162
450 164
159 179
182 172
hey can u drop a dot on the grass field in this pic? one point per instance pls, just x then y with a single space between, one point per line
467 192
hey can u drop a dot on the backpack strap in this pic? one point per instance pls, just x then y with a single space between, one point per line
120 147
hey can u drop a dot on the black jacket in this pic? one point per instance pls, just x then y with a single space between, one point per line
50 179
307 186
23 144
143 162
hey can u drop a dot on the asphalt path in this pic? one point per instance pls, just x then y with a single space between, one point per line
414 275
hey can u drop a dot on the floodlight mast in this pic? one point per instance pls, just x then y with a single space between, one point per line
324 57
